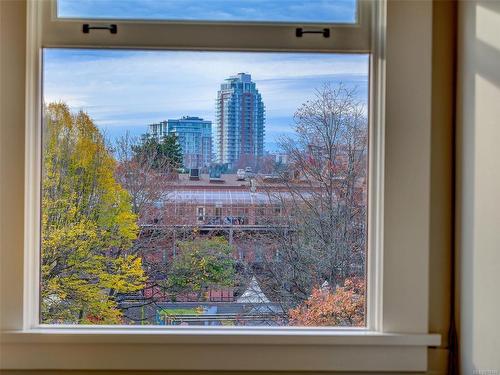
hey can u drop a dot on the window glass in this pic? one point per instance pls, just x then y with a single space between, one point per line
303 11
204 188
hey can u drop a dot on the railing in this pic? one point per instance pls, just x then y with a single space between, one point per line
259 223
223 220
202 318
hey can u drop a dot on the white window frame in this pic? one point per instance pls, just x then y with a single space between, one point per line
396 337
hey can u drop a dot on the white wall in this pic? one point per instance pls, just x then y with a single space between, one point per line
478 185
12 61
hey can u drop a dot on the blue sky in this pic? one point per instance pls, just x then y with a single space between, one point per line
213 10
127 90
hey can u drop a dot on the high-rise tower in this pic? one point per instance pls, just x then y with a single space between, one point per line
239 122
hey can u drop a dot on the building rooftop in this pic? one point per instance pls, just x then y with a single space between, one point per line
189 118
228 190
222 196
243 77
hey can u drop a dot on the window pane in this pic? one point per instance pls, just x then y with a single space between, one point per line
303 11
204 188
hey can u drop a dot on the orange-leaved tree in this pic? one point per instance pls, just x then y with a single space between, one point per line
345 306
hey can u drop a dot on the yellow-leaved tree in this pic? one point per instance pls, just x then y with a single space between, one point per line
87 225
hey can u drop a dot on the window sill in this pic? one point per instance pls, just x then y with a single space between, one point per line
215 349
217 336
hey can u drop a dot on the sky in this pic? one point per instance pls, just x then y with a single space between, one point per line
127 90
213 10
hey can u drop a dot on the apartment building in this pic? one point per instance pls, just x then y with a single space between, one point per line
194 135
240 121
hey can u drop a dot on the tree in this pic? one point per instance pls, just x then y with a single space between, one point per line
171 149
202 264
324 198
165 155
87 225
149 180
343 307
144 174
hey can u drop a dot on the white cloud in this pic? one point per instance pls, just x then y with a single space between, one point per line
139 87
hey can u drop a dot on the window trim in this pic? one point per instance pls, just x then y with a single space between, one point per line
375 347
267 36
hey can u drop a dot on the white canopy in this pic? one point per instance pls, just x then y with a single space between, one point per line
253 294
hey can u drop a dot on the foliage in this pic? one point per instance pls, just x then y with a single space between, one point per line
202 264
87 225
343 307
166 155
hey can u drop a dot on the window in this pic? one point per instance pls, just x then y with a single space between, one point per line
218 212
337 11
333 349
201 213
255 135
96 158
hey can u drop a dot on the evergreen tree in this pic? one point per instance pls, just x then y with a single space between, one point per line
165 155
171 150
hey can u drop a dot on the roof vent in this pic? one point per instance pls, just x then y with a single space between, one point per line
240 175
